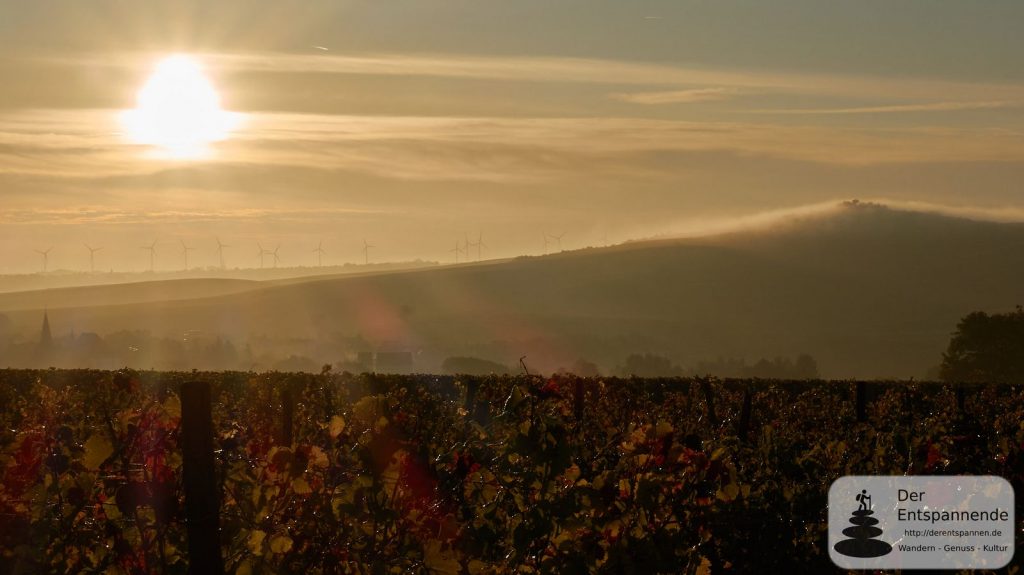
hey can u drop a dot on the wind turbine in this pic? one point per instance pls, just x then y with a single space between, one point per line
92 257
319 251
152 254
366 252
274 253
185 250
545 243
262 253
456 250
46 257
479 245
558 238
220 252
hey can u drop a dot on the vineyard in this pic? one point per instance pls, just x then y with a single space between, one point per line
373 474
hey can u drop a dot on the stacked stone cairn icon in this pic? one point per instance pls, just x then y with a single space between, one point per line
862 542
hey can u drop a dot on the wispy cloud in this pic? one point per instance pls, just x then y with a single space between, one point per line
704 226
393 142
1003 214
590 70
73 144
896 109
108 215
575 70
675 96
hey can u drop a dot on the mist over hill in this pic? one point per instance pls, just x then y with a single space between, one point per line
11 283
868 291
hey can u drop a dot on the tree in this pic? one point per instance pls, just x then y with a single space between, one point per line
649 365
804 367
472 366
581 368
585 368
986 348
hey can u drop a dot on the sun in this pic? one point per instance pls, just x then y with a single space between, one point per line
178 110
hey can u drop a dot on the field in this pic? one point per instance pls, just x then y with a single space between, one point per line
341 473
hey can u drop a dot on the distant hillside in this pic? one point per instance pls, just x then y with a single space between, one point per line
67 279
868 291
125 293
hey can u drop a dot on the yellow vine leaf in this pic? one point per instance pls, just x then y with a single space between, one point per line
729 492
172 405
337 426
97 450
301 487
255 542
280 543
438 560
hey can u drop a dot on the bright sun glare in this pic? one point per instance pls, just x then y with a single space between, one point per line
178 110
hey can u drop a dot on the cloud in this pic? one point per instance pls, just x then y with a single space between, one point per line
705 226
598 71
899 108
397 144
86 145
767 219
570 70
1004 214
109 215
675 96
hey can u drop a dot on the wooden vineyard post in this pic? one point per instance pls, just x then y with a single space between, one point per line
745 413
908 407
709 400
328 400
579 400
471 388
287 414
862 400
202 500
325 382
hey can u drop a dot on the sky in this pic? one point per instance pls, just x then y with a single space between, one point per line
413 124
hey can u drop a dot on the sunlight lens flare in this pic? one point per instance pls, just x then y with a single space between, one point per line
178 111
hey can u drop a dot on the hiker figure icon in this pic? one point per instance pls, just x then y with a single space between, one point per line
864 499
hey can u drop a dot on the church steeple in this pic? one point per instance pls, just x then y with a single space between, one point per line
46 338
